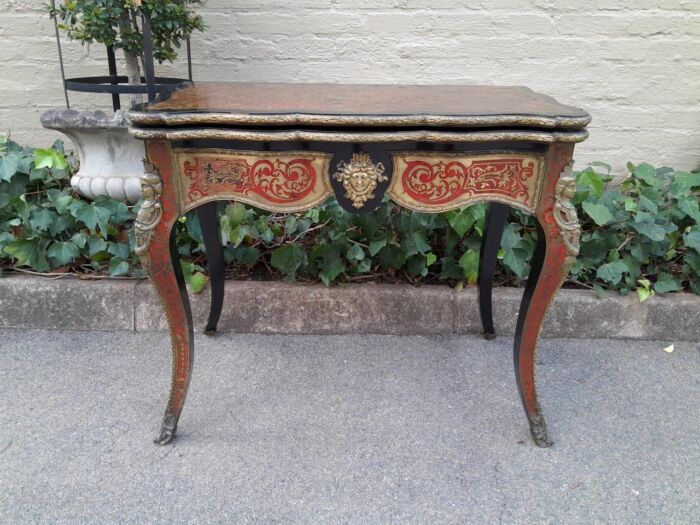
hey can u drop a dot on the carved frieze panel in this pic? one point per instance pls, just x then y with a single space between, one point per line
439 181
280 181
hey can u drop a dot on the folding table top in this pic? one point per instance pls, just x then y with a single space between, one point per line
353 105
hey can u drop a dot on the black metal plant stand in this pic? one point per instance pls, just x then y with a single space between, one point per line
117 85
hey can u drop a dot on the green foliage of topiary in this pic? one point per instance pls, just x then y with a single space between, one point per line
115 23
642 236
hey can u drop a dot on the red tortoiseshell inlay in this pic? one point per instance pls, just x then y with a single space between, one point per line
280 181
435 181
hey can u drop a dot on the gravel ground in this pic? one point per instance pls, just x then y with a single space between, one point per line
345 429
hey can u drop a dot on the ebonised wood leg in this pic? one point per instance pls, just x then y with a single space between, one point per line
209 222
496 219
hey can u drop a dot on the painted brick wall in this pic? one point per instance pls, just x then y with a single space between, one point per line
633 64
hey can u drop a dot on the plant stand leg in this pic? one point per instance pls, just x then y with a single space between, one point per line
496 219
209 222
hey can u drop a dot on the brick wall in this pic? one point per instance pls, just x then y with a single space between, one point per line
633 64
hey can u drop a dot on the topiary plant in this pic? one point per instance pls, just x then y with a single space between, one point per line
115 23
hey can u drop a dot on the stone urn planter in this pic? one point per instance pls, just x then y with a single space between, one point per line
111 161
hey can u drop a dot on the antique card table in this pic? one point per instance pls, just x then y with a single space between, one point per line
289 147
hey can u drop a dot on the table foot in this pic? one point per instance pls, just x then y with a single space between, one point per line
210 331
538 430
489 336
167 430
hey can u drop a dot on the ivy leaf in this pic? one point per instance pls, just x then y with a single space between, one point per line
49 158
430 259
516 259
197 282
647 204
331 265
91 215
611 272
120 212
42 219
62 253
364 266
355 253
645 224
598 212
469 262
96 245
644 291
376 245
511 237
62 223
9 165
290 225
62 203
236 214
415 265
391 256
461 220
590 178
665 282
450 269
239 233
684 182
688 204
647 174
118 266
692 239
416 243
80 239
28 252
119 249
289 258
247 255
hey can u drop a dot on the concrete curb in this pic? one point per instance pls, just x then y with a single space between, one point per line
286 308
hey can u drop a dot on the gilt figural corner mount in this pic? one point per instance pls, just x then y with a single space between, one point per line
289 147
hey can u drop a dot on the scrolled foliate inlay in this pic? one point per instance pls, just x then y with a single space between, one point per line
360 177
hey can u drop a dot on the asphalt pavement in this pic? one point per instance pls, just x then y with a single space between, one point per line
346 429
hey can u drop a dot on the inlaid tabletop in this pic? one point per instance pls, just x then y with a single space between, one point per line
359 105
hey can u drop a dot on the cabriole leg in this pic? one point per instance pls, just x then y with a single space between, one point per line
155 244
166 275
496 219
556 249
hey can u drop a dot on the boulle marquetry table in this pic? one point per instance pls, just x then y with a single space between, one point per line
289 147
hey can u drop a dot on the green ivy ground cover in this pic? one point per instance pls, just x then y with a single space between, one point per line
642 236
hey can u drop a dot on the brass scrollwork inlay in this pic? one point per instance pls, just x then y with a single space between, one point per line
360 177
151 209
